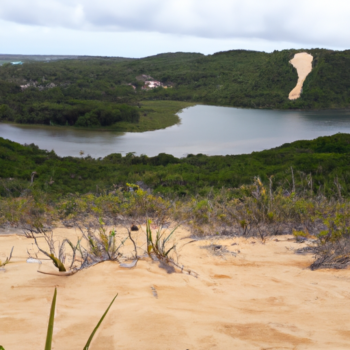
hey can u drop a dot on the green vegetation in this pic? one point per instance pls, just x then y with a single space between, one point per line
300 188
328 84
49 335
322 165
154 115
253 210
97 92
63 91
157 245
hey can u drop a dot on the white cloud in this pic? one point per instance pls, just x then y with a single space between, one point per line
299 22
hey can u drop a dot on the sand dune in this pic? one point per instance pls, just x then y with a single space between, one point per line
303 64
265 297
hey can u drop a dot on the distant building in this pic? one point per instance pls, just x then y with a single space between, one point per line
15 63
152 84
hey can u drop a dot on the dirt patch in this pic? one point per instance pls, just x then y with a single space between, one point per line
262 334
303 64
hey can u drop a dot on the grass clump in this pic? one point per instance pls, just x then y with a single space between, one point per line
158 245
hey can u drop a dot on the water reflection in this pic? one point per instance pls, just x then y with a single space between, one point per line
203 129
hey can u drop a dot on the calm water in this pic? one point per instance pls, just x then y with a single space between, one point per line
203 129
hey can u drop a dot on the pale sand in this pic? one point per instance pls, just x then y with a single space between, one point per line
265 298
303 64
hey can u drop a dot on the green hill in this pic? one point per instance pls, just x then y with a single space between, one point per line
99 91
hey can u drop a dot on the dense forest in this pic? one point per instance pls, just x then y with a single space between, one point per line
105 91
320 166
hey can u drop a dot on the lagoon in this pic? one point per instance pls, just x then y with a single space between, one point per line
203 129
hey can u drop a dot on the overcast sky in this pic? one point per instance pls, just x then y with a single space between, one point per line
138 28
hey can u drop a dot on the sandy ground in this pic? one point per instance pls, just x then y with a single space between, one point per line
303 64
264 298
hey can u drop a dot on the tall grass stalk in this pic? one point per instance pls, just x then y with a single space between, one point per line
50 327
87 346
48 343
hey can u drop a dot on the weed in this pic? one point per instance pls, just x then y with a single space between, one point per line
58 259
158 245
8 259
103 244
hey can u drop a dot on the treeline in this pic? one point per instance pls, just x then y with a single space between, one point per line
320 166
72 112
60 101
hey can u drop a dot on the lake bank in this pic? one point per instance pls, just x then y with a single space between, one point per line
154 115
203 129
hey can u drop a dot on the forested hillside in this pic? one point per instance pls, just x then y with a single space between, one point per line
320 166
99 92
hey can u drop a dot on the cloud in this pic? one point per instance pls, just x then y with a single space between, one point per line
322 23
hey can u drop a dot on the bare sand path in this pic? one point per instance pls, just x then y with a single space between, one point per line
303 64
264 298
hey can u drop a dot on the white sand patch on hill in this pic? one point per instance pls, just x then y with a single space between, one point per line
264 298
303 64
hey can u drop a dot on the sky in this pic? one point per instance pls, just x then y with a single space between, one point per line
139 28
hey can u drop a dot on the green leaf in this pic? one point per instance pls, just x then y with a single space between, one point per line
1 348
51 322
171 233
166 253
98 325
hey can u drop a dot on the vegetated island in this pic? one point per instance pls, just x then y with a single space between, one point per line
106 92
255 231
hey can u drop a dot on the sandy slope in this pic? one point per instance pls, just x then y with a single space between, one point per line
303 64
264 298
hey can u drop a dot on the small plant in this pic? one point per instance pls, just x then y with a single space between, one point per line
58 259
158 245
301 236
332 255
333 246
8 259
158 248
103 245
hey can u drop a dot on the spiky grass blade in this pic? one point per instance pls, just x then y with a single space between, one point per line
51 322
150 246
168 251
87 346
170 234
